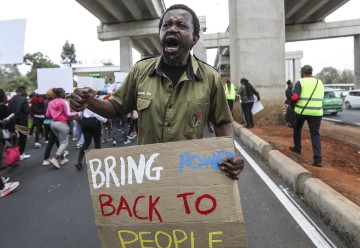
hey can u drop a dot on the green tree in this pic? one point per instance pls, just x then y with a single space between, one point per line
347 77
8 72
68 56
12 84
328 75
36 61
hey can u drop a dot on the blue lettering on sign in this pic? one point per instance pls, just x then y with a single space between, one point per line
195 161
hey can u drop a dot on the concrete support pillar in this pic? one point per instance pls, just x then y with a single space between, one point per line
257 51
199 50
357 61
126 58
297 68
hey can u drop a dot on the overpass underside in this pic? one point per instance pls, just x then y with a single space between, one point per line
253 46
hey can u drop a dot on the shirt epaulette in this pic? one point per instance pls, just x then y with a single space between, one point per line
204 62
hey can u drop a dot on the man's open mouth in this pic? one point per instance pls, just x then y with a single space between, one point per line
171 44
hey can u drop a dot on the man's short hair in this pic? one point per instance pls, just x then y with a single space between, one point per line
195 19
21 90
307 69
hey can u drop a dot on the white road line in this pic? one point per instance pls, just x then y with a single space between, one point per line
329 119
309 229
285 191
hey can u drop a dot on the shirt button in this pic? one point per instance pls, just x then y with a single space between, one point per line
170 86
170 106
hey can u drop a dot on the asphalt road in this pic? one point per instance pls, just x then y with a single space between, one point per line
52 207
348 116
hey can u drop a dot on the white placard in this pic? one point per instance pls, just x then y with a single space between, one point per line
257 107
120 76
55 78
94 83
12 38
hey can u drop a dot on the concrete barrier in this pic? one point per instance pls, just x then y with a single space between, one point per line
338 212
252 141
342 215
291 172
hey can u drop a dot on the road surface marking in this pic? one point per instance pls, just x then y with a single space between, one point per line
286 192
329 119
306 226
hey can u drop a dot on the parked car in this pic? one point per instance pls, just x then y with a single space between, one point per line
332 103
341 92
352 100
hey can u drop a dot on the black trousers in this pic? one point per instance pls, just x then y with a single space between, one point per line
38 122
314 123
51 141
246 108
91 128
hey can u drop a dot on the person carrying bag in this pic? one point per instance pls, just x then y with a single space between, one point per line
291 117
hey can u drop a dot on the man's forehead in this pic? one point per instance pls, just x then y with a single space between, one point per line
178 13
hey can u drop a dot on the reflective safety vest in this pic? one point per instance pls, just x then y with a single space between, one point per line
314 107
230 95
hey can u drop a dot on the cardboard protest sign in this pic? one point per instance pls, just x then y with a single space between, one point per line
166 195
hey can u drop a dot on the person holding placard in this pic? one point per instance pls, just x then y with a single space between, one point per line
246 93
174 93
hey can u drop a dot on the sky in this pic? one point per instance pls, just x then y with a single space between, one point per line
51 23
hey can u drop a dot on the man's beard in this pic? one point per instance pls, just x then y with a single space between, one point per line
174 59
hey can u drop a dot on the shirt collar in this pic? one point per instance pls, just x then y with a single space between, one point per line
192 71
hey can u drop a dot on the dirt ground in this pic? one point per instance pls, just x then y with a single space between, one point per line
340 149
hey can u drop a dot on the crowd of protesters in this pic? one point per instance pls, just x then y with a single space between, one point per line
47 120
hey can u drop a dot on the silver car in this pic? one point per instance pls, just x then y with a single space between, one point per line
352 99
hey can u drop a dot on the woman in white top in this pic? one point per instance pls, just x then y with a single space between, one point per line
91 128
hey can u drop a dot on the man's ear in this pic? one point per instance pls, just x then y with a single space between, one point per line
195 39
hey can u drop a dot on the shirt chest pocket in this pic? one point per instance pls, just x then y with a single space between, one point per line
195 119
143 107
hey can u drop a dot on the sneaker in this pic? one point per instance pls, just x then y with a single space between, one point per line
24 156
74 138
131 137
78 166
79 145
66 153
211 129
5 179
37 145
55 162
46 141
46 162
114 143
127 142
9 187
295 150
317 164
63 161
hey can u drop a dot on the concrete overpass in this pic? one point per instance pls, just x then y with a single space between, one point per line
256 36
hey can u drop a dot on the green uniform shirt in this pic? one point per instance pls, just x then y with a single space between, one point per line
172 114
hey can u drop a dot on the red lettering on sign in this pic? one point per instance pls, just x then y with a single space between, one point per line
197 203
152 208
126 206
205 212
134 208
186 204
106 204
